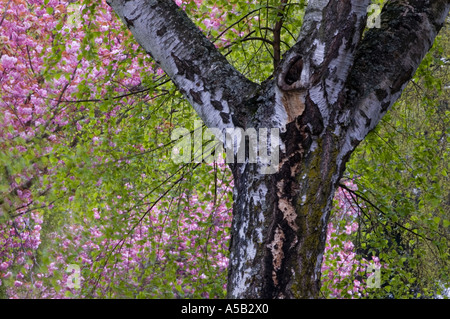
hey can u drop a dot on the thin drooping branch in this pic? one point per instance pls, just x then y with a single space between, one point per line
4 13
215 88
378 209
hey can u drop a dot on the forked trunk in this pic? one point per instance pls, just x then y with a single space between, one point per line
329 90
280 219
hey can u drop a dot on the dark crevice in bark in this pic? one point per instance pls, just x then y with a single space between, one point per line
294 72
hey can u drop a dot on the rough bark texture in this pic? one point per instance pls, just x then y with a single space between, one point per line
328 92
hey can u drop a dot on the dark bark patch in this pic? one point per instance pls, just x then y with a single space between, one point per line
292 138
364 115
196 96
225 117
284 172
161 31
385 106
381 94
238 120
312 117
269 286
217 105
180 64
185 68
294 72
130 22
401 80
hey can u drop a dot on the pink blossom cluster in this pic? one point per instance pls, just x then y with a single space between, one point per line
215 15
215 19
36 92
39 92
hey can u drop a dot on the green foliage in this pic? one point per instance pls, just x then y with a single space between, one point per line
246 35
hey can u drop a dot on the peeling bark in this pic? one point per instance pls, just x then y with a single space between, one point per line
327 93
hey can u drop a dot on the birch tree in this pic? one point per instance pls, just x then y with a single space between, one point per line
326 93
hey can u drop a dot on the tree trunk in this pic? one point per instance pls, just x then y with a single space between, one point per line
279 225
327 93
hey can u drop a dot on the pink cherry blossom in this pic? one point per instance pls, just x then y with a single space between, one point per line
8 62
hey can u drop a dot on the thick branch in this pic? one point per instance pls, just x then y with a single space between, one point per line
322 58
387 59
201 73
